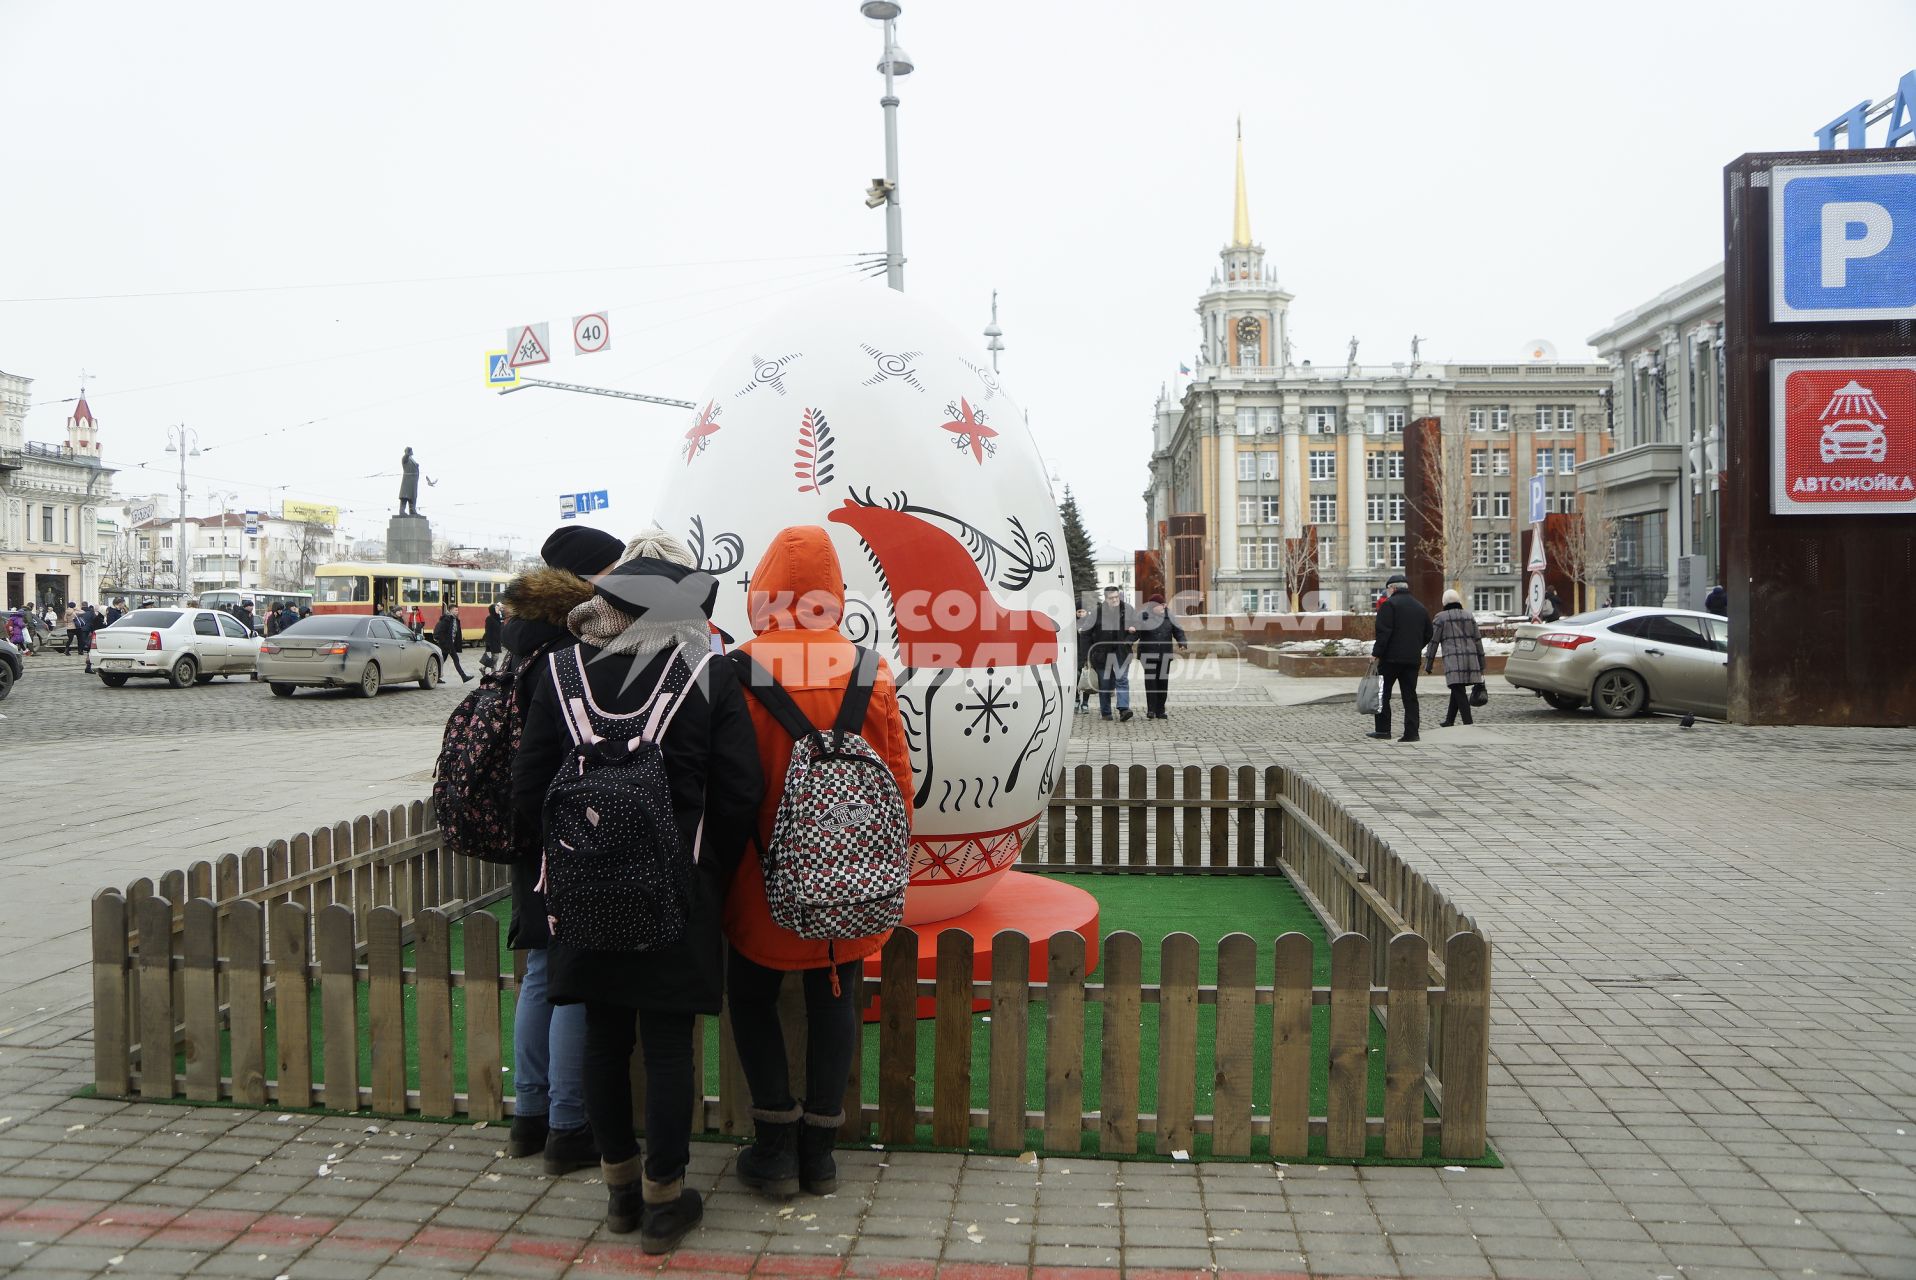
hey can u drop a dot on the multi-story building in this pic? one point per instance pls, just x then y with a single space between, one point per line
279 556
1266 457
50 497
1116 568
1660 484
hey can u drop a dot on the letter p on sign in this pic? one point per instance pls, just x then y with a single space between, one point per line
1843 242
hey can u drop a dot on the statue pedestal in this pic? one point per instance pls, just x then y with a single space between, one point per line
409 540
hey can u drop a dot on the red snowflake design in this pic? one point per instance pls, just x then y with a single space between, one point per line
700 436
968 425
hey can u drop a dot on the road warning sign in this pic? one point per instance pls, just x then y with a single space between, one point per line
499 370
1843 436
529 344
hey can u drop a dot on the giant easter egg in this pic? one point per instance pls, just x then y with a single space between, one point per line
868 417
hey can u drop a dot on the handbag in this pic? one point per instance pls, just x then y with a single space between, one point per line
1370 694
1087 680
1479 694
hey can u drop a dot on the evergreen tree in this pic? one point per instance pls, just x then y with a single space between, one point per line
1077 546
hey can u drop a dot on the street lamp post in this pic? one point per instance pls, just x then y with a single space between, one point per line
186 442
896 62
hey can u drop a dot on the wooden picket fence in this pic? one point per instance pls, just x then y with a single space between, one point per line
307 921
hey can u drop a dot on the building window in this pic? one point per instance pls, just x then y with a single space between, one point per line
1500 417
1492 599
1374 508
1323 464
1326 548
1246 421
1397 551
1500 462
1479 419
1323 508
1374 465
1249 601
46 524
1566 417
1267 507
1267 420
1247 466
1500 505
1480 506
1247 510
1267 465
1500 550
1480 548
1273 553
1323 419
1566 502
66 525
1560 417
1546 461
1377 546
1566 461
1479 462
1394 421
1397 508
1397 464
1374 421
1273 600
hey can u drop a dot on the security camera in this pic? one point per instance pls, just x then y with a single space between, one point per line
878 193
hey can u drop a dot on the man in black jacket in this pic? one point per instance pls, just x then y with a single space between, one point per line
1403 629
1110 632
450 637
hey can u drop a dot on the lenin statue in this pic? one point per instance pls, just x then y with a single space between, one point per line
409 484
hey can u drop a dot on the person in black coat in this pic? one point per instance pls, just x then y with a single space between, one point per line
635 626
1403 629
450 637
548 1044
493 641
1158 633
1109 633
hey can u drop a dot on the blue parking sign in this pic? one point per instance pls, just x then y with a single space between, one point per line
1843 242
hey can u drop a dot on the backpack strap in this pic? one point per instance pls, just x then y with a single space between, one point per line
669 700
772 696
568 681
858 698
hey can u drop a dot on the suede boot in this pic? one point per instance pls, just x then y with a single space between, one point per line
770 1165
624 1208
569 1149
671 1211
528 1136
817 1135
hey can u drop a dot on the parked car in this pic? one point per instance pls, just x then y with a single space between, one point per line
182 646
10 668
347 651
1624 662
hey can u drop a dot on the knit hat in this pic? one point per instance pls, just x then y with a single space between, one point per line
581 549
658 590
1453 597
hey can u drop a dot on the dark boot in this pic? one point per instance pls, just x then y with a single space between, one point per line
671 1212
624 1206
817 1170
770 1165
528 1136
569 1149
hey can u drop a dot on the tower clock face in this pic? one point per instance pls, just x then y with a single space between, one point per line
1248 329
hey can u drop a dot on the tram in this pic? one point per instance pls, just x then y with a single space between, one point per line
264 602
383 588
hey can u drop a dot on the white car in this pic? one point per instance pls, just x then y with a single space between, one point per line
183 646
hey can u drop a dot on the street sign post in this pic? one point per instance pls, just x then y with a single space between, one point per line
529 344
1843 242
1538 500
252 523
583 503
590 333
499 370
1843 436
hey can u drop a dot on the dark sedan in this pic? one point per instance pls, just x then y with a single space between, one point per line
347 651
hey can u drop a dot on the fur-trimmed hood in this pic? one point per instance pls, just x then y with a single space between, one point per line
546 595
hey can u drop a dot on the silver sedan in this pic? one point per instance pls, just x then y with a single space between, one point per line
1624 662
347 651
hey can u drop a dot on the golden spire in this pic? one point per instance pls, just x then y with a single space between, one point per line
1241 223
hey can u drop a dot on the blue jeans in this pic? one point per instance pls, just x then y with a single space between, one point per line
1114 673
548 1050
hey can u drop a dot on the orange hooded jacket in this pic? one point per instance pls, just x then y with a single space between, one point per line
797 598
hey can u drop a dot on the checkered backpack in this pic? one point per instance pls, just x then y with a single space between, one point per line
841 844
617 874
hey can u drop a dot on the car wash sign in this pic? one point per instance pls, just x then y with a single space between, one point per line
1843 242
1843 436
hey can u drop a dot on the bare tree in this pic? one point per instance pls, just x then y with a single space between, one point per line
311 545
1299 564
1447 490
1587 541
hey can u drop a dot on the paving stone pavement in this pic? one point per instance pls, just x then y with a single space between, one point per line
1704 1037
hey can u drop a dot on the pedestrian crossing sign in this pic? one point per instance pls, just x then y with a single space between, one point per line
499 370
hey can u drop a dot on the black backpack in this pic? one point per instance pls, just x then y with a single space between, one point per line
472 781
617 874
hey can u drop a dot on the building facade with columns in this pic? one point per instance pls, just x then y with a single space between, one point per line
50 498
1660 484
1266 455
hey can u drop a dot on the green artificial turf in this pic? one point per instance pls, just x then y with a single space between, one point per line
1151 906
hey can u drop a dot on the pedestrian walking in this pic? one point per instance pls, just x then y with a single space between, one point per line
66 620
247 620
548 1041
1403 629
451 638
796 602
1717 602
115 611
1087 680
1112 633
1158 634
493 641
17 632
416 622
644 637
85 623
1454 634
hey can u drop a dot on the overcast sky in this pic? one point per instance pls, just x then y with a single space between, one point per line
313 222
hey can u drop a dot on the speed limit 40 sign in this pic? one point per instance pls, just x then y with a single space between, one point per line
590 333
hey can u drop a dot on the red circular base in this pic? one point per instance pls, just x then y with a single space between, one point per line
1032 905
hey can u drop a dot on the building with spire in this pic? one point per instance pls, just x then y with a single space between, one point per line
1272 477
51 495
